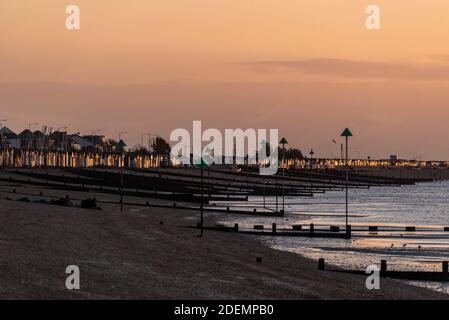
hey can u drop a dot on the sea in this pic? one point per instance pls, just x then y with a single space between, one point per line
392 208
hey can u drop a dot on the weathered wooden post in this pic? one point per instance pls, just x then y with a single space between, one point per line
236 227
445 267
383 267
312 228
274 228
321 263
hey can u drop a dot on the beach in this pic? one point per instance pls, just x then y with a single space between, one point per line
153 253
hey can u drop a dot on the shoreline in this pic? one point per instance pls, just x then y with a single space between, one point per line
133 256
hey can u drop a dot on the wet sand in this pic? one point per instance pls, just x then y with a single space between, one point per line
132 255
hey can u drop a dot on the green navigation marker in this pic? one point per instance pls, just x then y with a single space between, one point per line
346 133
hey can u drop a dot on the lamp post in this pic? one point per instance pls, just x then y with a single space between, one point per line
283 142
202 191
347 133
121 169
311 153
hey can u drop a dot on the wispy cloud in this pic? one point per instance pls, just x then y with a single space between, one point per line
355 69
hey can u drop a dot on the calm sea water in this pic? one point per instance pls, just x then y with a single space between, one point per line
425 205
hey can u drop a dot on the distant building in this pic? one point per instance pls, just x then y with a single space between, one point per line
58 141
394 158
79 143
39 140
26 139
99 142
9 139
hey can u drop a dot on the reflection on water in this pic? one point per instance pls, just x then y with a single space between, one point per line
425 206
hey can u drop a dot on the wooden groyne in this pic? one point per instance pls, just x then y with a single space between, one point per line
295 231
442 276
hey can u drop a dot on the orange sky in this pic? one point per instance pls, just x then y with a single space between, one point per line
307 67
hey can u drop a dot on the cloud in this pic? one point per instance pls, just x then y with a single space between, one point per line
356 69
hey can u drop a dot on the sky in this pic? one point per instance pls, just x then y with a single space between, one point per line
307 67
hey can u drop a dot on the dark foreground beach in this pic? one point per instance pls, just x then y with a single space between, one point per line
132 255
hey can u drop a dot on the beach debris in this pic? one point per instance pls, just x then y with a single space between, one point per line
62 202
89 203
41 201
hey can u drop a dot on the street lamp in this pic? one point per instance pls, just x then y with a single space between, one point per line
283 142
347 133
311 153
121 171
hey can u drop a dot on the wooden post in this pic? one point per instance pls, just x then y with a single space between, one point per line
312 228
321 264
236 227
348 230
445 267
383 266
274 228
